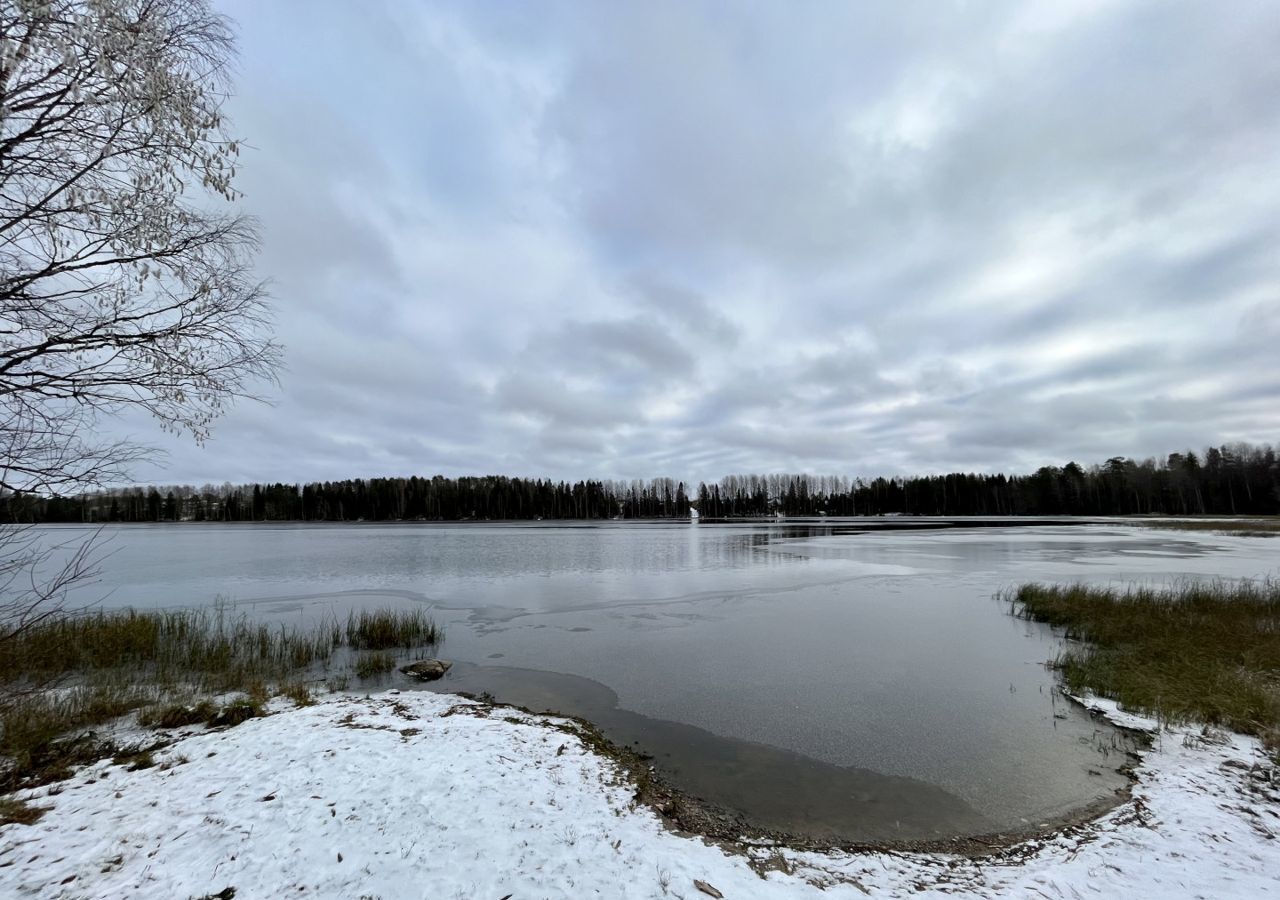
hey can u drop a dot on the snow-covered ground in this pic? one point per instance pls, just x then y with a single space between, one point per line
425 795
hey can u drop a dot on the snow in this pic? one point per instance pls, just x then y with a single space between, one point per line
426 795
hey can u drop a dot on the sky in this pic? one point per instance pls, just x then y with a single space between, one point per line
687 239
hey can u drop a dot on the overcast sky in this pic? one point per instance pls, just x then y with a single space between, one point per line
686 239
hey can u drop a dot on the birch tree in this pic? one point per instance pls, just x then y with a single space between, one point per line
126 276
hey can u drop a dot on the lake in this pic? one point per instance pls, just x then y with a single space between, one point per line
820 678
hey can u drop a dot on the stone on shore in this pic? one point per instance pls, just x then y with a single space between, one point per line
427 669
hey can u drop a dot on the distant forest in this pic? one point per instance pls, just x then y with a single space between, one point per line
1236 479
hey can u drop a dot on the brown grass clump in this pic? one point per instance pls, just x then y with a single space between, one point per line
384 629
14 811
1268 526
65 674
1203 651
374 663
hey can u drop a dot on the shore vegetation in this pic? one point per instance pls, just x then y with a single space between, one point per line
1266 526
63 677
1205 651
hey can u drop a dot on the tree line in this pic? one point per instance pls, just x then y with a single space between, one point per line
1235 479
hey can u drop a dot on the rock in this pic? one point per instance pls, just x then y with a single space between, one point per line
707 889
427 669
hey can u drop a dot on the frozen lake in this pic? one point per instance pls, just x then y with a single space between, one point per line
818 677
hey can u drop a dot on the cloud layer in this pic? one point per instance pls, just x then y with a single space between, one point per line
624 240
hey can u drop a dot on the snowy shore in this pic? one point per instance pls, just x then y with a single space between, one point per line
423 795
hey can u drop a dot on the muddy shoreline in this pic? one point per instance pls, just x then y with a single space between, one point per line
688 814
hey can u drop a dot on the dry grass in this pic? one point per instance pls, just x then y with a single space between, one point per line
376 662
219 650
299 693
213 648
177 715
65 675
47 732
1252 527
20 812
386 629
1203 651
240 709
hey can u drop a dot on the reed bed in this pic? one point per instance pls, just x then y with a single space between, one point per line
375 662
212 648
63 675
384 629
1268 526
1205 651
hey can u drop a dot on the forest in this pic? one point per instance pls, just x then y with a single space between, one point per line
1235 479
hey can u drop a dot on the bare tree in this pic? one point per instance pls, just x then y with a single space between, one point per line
122 285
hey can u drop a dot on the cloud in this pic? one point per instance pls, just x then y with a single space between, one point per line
641 239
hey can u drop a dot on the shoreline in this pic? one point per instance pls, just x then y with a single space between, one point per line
720 786
1258 524
690 815
360 796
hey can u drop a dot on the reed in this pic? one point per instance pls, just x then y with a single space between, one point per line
213 648
1205 651
1268 526
384 629
63 675
374 662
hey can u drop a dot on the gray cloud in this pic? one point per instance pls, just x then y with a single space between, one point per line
638 239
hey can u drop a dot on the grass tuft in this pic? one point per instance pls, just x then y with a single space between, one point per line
64 675
135 760
177 715
377 662
15 811
384 629
239 710
1204 651
299 693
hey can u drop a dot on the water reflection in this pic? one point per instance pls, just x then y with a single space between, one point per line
850 643
770 788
